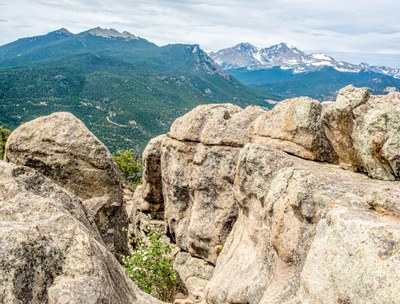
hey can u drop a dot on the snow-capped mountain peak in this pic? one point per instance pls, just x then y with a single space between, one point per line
282 54
240 55
245 46
247 55
282 48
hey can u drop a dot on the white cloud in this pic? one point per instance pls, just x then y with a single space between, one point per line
357 26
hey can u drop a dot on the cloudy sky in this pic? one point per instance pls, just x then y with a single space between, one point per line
355 30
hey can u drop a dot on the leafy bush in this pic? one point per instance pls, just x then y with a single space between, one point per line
130 164
4 133
150 267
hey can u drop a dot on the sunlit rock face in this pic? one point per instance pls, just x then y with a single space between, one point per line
299 204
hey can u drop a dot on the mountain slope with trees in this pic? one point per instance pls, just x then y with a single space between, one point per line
126 89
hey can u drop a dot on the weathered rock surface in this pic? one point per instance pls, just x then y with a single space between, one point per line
220 124
50 251
63 149
305 230
198 162
308 233
188 266
295 126
365 131
195 273
197 185
354 258
152 187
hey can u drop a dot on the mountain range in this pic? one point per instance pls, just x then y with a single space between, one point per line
289 57
285 71
124 88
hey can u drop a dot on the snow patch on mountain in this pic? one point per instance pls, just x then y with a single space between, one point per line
320 56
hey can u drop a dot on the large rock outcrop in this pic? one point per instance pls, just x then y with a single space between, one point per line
50 250
199 204
300 204
63 149
308 233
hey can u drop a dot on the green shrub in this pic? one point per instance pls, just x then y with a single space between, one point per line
130 164
4 133
150 267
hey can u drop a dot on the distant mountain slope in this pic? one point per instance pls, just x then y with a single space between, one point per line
284 71
125 89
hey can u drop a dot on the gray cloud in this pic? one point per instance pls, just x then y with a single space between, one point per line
341 26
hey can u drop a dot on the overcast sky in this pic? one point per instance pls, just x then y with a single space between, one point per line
356 30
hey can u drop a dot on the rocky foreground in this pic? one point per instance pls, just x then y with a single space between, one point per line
296 205
300 204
